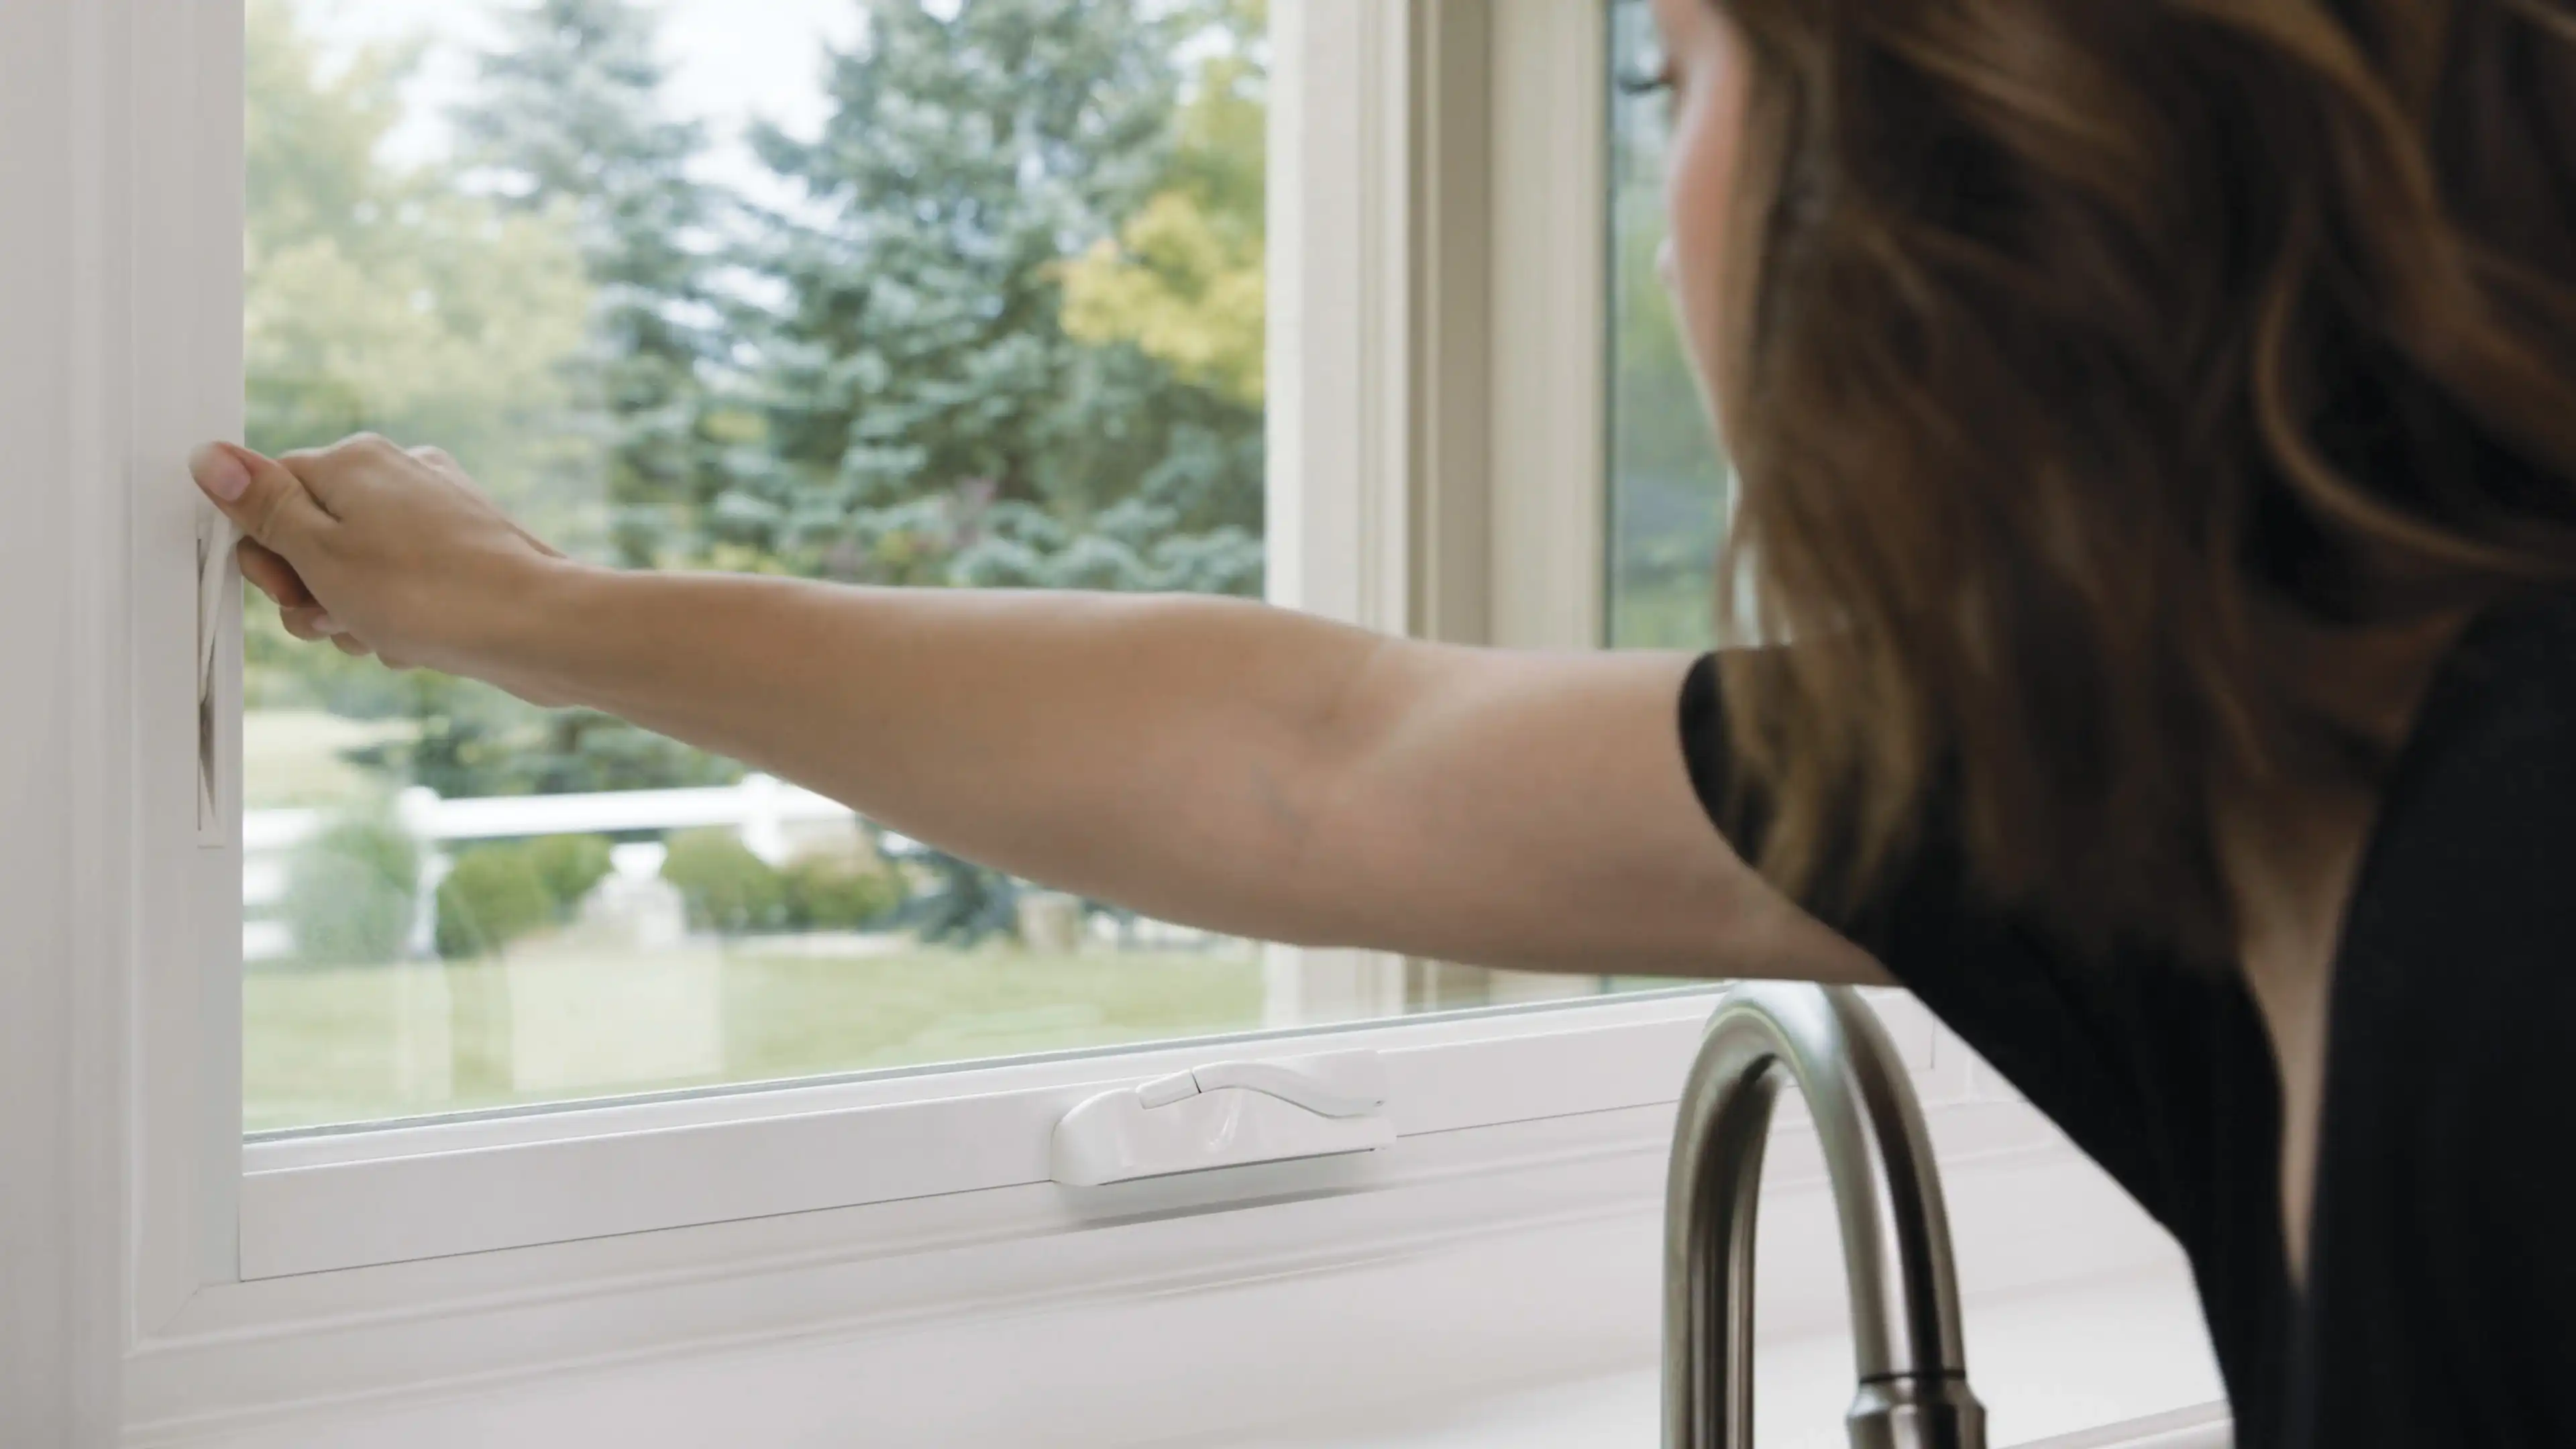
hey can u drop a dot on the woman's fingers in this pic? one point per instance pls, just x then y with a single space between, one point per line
310 622
399 544
263 499
274 576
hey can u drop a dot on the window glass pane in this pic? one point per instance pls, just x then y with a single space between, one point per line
1668 480
961 294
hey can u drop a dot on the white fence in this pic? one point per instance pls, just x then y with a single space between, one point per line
770 814
766 811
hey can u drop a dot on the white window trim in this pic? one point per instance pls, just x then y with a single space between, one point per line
130 159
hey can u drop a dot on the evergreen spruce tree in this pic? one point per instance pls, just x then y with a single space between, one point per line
568 121
931 421
569 116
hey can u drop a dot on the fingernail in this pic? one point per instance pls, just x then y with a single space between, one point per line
323 623
219 473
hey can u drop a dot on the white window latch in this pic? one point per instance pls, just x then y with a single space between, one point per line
1226 1114
217 591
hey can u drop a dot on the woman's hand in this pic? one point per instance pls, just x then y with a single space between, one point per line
384 551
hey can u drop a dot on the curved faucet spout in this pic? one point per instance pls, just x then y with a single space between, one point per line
1887 1193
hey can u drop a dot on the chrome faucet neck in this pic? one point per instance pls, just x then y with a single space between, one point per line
1909 1357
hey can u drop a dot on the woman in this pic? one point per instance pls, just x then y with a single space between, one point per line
2157 422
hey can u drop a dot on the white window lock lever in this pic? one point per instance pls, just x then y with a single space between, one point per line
1226 1114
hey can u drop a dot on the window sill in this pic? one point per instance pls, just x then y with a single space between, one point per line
327 1203
1473 1263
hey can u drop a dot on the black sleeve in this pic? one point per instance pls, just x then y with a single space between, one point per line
2092 1045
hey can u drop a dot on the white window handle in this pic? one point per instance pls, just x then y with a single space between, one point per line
1226 1114
217 589
1352 1088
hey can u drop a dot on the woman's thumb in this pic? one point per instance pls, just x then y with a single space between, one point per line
262 498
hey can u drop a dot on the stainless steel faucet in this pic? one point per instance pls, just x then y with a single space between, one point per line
1896 1237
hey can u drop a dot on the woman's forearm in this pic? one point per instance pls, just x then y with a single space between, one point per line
1244 769
1165 752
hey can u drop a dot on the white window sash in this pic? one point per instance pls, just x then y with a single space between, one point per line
314 1204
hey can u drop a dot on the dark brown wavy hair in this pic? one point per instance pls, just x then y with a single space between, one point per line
2103 376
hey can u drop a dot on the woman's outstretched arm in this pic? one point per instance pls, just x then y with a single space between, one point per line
1236 767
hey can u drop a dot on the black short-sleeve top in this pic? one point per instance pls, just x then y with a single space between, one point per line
2440 1302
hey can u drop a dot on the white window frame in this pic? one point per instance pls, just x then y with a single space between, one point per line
1353 365
1436 442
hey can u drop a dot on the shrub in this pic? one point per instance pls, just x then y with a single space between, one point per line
490 898
568 866
728 889
351 891
968 902
839 893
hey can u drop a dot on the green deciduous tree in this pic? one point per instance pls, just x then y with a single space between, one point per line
503 311
1183 279
377 296
380 295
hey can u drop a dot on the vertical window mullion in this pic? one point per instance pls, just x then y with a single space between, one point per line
1341 398
1549 228
1342 409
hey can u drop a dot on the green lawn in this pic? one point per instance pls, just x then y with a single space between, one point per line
343 1044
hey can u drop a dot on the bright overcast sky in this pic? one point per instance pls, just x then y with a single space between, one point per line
730 60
